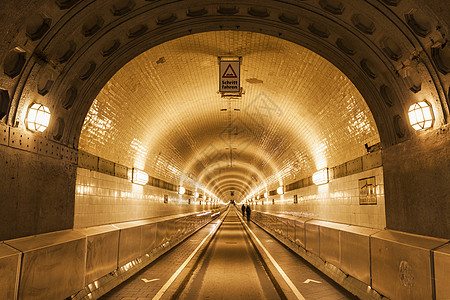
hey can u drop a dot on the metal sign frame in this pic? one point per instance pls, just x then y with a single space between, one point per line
230 76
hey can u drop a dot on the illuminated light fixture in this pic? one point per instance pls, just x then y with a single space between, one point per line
265 195
38 117
181 190
280 190
257 197
320 177
420 115
196 195
138 176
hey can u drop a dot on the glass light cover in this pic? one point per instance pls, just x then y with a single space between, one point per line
320 177
420 115
181 190
38 117
196 195
265 195
280 190
139 177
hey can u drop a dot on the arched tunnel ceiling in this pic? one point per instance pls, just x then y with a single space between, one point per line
162 112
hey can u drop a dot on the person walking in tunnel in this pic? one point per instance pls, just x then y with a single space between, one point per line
248 211
243 210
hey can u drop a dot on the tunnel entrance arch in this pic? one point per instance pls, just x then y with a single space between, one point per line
69 82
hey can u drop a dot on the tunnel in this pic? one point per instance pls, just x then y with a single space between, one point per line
115 122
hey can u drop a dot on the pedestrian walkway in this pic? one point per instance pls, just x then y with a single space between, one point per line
229 269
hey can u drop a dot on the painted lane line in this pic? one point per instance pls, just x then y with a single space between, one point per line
180 269
280 270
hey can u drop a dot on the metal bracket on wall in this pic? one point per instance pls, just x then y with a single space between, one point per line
4 134
31 142
22 140
87 161
106 166
69 154
49 148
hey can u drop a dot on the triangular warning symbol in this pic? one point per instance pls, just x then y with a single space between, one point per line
229 72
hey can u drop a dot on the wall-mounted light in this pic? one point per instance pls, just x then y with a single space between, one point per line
38 117
196 195
257 198
280 190
421 115
138 176
320 177
181 190
265 195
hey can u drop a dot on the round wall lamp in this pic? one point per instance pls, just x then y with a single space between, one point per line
280 190
38 117
421 115
181 190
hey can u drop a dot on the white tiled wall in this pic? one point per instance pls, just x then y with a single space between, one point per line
337 201
104 199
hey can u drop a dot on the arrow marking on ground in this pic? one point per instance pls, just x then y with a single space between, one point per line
147 281
311 280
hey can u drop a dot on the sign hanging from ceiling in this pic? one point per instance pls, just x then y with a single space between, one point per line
229 76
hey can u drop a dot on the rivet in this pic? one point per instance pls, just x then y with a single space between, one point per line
65 51
71 95
109 47
87 70
37 26
14 62
92 25
5 101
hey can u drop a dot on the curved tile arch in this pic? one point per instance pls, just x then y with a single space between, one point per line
434 82
247 153
250 169
233 186
230 182
224 190
238 173
387 143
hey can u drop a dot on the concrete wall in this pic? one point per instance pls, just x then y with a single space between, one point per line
36 193
337 201
417 177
